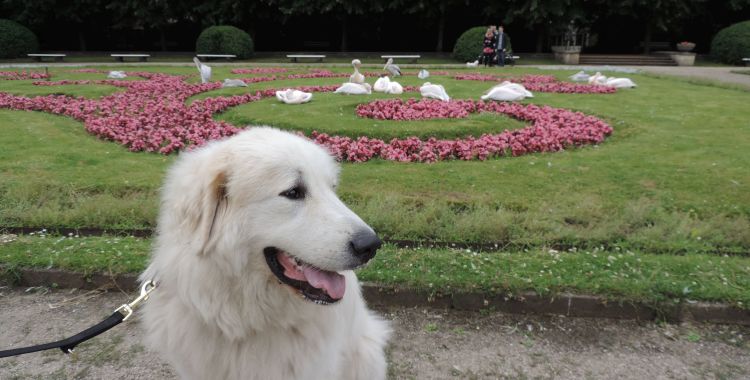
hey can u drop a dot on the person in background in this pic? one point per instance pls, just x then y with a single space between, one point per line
488 50
501 40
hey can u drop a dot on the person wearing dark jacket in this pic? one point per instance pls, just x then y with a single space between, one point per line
502 42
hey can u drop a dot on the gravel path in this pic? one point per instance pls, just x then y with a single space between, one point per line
719 74
427 344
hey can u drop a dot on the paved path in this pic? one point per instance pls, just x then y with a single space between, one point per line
427 344
719 74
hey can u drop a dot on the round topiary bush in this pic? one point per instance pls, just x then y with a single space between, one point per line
732 43
16 40
224 39
469 46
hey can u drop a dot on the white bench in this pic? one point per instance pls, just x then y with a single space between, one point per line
295 57
413 58
512 59
121 57
208 57
747 61
56 57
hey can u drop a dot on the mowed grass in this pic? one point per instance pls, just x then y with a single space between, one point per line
618 275
673 177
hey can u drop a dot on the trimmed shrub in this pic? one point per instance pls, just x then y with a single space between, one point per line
16 40
224 39
732 43
469 46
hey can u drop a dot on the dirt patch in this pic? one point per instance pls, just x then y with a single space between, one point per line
426 344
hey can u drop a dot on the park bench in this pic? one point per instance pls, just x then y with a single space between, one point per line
121 57
747 61
413 58
38 57
295 57
208 57
511 59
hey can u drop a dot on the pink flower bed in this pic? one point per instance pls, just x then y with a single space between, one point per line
542 83
412 109
86 71
260 70
22 75
151 115
552 129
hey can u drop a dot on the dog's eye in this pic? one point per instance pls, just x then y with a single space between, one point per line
294 193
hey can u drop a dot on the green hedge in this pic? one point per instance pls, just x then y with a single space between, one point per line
469 46
16 40
732 43
225 39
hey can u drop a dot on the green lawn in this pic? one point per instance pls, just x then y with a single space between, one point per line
618 275
674 178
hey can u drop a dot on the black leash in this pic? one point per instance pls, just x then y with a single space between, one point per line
67 345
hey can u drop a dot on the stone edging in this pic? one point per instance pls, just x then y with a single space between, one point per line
570 305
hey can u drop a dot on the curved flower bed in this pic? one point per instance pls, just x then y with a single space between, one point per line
90 71
542 83
22 75
151 115
412 109
260 70
552 129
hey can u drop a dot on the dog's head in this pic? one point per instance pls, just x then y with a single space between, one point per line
264 201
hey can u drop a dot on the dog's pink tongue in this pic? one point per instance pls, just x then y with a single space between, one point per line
333 283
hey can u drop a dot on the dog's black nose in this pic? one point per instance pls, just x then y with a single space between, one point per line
364 244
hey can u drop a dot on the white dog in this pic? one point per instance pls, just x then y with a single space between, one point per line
253 259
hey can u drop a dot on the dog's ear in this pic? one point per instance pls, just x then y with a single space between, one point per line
213 206
195 198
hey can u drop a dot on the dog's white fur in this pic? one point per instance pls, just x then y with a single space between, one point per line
218 311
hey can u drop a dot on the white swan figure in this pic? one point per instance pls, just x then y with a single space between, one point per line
394 88
116 75
472 64
291 96
503 94
434 91
423 74
204 70
357 77
517 88
580 76
233 83
354 89
597 78
620 82
391 68
381 85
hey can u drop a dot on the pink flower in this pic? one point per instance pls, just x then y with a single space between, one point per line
152 115
21 75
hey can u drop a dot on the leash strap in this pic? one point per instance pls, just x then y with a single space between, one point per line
67 345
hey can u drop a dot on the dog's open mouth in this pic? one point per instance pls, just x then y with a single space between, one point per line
317 285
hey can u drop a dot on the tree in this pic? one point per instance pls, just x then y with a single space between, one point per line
544 15
341 9
71 12
151 14
429 10
662 14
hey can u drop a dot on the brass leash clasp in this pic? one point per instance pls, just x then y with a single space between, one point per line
127 309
